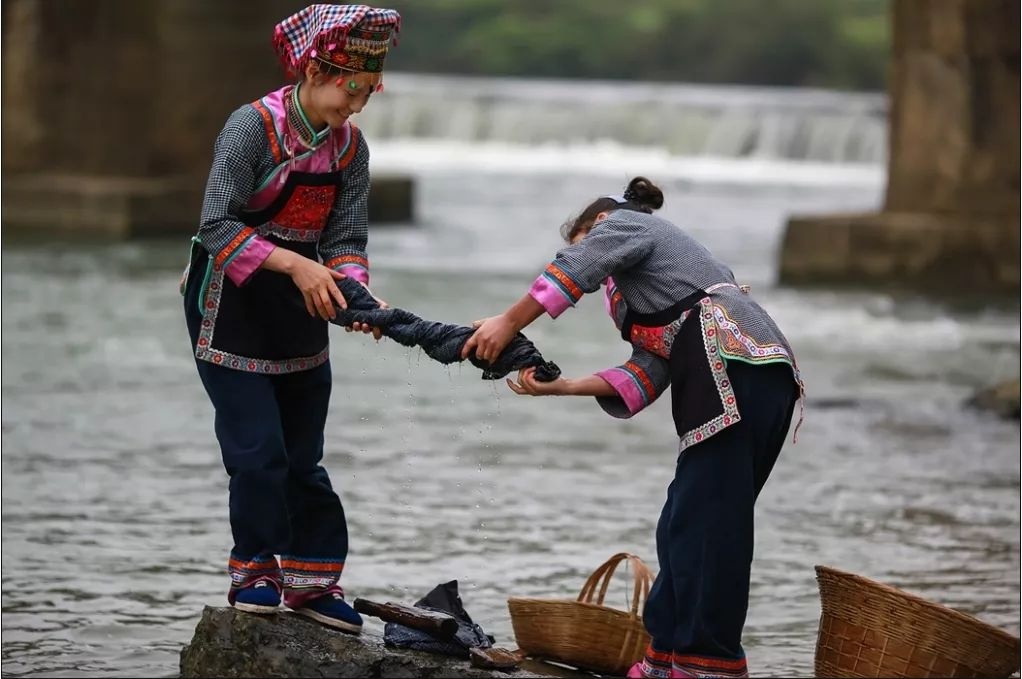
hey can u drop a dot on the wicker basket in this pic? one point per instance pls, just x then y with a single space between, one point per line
872 630
584 633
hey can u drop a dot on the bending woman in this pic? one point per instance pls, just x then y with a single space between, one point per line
734 385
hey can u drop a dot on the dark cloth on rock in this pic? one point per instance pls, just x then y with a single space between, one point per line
442 599
440 341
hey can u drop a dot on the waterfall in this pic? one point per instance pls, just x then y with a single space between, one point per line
736 122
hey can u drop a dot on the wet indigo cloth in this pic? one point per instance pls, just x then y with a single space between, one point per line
443 599
440 341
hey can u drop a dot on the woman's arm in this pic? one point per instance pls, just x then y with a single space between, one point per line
494 333
342 246
591 385
346 234
236 247
622 391
612 245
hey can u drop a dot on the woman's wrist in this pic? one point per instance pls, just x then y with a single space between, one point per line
523 312
280 260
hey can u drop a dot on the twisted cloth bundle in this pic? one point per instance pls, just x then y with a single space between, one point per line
440 341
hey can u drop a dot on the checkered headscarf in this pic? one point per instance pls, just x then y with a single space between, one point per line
325 31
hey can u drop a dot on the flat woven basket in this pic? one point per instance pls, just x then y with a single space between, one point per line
584 633
872 630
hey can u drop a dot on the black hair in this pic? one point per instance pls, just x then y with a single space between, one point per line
326 69
640 195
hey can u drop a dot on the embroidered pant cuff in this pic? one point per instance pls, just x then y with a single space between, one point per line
656 664
308 578
246 572
686 665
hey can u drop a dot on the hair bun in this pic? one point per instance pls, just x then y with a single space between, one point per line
644 193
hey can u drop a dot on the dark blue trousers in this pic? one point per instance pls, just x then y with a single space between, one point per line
697 606
270 430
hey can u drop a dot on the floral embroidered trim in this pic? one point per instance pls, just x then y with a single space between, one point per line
564 282
706 666
271 130
236 244
285 233
656 664
204 350
347 260
724 389
347 152
306 573
243 572
648 390
659 340
735 344
655 671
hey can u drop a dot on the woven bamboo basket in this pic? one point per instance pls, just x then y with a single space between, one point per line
872 630
584 633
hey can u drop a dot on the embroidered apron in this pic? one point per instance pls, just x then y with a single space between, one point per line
264 326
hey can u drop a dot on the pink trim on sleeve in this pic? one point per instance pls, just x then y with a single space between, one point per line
245 263
359 273
626 387
550 296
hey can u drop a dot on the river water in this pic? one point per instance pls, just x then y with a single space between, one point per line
115 528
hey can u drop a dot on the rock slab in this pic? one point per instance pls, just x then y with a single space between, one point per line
229 643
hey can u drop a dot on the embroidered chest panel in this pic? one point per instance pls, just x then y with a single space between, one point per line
308 209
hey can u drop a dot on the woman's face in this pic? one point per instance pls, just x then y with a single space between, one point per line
582 233
334 99
579 236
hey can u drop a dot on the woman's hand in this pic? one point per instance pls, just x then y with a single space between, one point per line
365 327
527 385
492 335
318 285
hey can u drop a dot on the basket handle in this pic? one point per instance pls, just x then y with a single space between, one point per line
641 574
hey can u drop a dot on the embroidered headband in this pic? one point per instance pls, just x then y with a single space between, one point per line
350 37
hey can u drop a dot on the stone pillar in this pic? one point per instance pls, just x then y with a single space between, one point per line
950 220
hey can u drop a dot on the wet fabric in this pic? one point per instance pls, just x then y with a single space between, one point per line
440 341
443 599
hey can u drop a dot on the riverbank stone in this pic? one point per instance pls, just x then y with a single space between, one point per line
1003 399
230 643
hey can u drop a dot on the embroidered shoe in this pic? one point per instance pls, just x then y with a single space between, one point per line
261 597
331 609
636 672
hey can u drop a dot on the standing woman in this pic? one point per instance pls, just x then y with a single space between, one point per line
733 383
284 217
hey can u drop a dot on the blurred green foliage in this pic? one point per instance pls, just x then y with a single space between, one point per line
841 44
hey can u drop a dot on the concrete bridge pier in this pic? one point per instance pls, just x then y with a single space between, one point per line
950 219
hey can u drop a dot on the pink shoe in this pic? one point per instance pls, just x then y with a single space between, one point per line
636 672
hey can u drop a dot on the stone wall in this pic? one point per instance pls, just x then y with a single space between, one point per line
121 87
950 220
112 106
